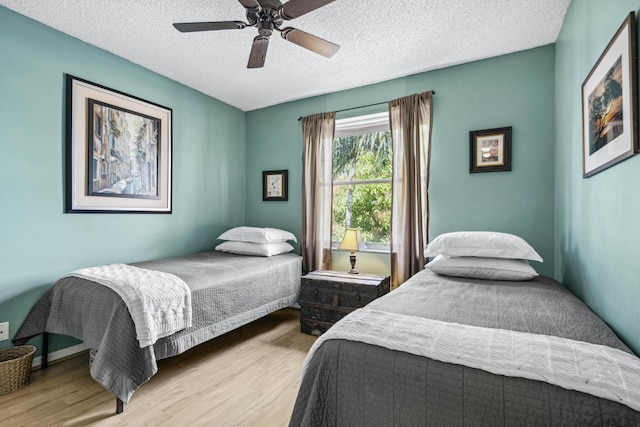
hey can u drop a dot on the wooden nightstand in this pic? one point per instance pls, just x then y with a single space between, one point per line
328 296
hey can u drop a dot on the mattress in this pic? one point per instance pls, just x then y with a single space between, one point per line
350 383
227 291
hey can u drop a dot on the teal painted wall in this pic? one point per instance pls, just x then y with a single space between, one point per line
38 242
597 219
514 90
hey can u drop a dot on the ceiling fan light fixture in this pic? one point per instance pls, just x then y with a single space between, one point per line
265 28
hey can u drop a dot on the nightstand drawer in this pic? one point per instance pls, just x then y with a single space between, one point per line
324 313
337 295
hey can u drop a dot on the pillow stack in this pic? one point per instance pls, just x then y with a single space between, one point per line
482 255
256 241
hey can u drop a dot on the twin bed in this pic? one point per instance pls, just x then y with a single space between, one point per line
353 380
462 351
227 291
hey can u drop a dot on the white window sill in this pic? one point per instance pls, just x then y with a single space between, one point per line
379 248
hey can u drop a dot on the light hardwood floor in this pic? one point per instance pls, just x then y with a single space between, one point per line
248 377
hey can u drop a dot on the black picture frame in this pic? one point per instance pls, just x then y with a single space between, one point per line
609 100
490 150
118 151
275 186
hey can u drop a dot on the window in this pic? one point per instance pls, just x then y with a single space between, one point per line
362 170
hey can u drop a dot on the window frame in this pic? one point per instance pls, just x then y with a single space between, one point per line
360 125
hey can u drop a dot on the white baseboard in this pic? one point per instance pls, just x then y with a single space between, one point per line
59 354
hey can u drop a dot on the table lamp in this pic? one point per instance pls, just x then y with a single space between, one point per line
352 241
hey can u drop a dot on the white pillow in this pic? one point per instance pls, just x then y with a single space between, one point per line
489 244
254 249
257 235
483 268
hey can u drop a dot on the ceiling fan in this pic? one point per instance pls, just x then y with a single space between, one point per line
267 15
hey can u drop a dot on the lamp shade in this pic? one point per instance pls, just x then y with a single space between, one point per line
352 241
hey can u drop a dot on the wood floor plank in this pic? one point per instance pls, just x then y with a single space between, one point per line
248 377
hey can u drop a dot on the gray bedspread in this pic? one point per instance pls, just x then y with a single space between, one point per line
228 291
351 383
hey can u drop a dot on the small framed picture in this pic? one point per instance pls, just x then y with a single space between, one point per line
275 185
490 150
609 100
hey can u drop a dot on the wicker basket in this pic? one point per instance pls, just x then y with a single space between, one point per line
15 367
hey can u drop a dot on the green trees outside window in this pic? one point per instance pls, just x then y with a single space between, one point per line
362 168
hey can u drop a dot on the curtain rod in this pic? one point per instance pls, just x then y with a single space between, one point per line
433 92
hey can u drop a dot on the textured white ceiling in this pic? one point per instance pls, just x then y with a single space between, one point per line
379 40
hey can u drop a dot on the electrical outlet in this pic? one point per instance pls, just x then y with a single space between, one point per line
4 331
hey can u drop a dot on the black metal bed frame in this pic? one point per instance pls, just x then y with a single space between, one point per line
44 364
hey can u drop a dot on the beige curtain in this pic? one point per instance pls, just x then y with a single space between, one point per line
317 186
410 121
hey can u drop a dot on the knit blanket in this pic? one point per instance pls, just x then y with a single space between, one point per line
159 303
598 370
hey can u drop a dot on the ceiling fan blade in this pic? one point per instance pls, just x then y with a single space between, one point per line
295 8
258 52
249 4
311 42
189 27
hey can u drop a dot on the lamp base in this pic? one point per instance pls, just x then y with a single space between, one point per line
352 259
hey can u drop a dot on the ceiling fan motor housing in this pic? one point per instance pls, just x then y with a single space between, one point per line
265 28
267 17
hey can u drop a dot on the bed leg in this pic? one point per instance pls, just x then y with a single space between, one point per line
45 351
119 406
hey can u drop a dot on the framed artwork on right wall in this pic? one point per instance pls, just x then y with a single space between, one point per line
609 99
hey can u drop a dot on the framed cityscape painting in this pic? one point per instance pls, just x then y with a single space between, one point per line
118 151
